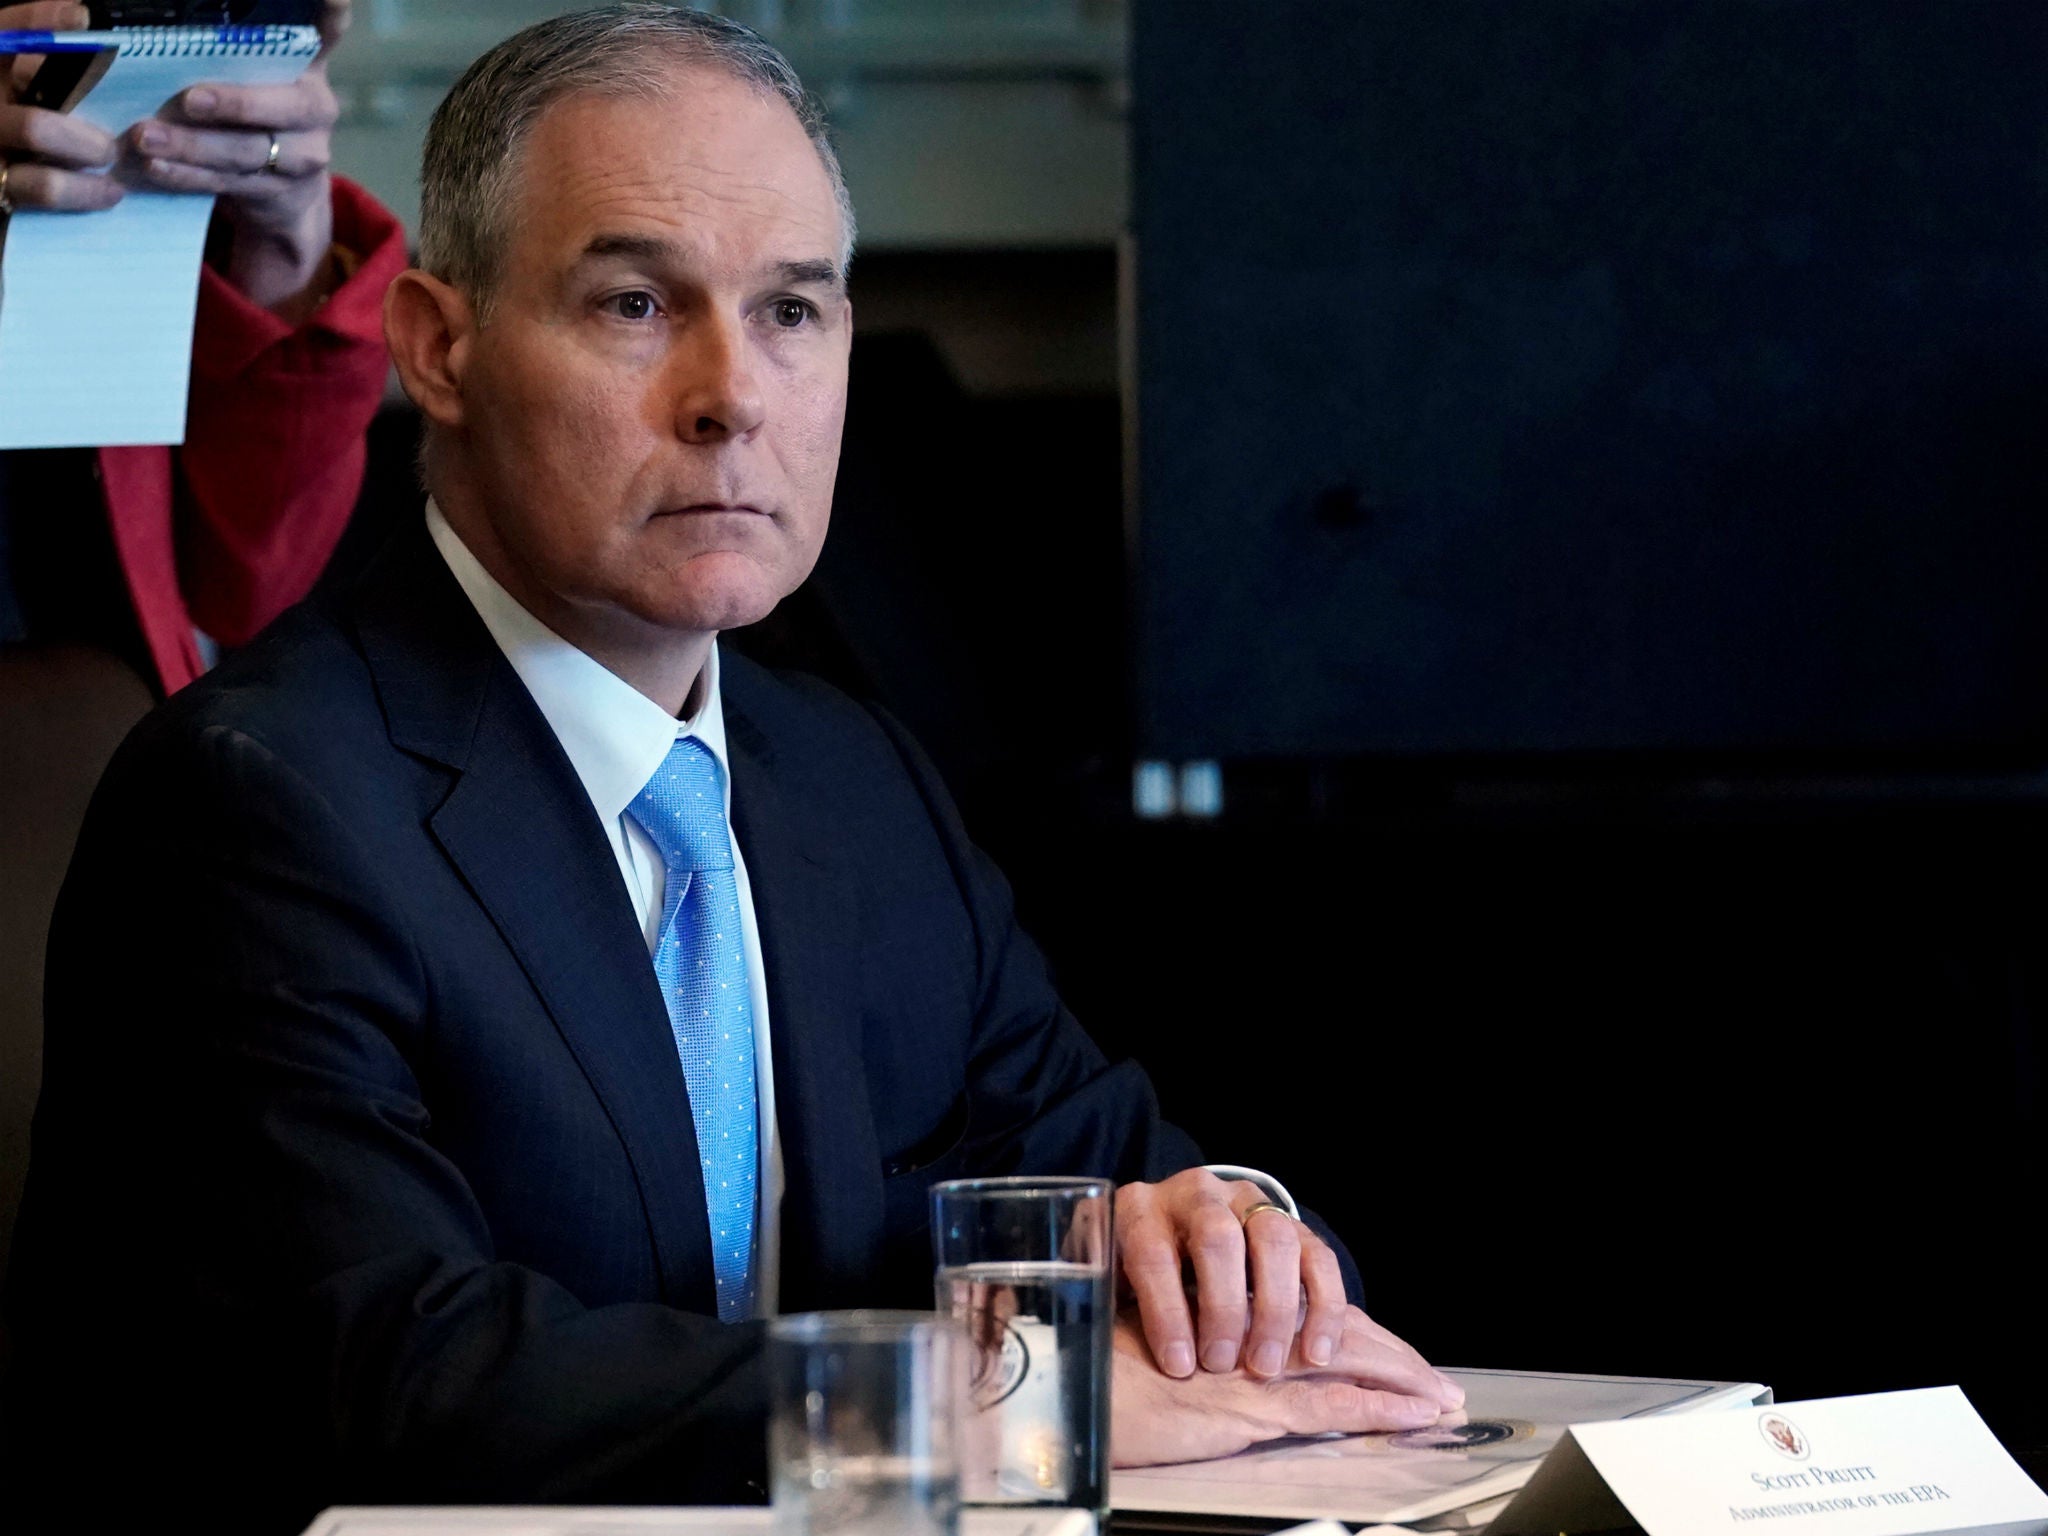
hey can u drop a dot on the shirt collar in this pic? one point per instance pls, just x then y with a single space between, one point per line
614 735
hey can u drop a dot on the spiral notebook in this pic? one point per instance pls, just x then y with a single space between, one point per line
96 309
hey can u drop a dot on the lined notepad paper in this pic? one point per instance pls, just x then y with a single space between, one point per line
96 309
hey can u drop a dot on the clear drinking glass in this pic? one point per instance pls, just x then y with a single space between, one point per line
1026 1265
861 1423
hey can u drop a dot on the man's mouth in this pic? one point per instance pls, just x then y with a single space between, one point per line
709 509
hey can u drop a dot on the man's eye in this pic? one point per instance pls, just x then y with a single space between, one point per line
791 313
633 306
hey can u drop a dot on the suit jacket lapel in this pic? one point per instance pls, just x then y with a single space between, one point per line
520 828
808 920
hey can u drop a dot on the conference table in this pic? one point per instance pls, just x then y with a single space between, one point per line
740 1521
757 1520
560 1520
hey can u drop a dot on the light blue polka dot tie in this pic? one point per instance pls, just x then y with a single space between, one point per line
701 964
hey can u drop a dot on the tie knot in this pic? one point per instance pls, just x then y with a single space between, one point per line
682 808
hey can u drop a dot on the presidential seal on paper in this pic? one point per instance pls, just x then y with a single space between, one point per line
1784 1436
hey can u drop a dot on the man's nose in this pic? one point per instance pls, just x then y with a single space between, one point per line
717 396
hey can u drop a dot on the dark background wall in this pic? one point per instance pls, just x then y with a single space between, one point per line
1589 495
1590 375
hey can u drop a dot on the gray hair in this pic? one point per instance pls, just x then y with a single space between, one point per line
480 130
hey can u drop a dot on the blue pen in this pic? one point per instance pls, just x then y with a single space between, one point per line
58 42
96 42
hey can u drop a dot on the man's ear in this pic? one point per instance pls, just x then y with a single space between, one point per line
430 327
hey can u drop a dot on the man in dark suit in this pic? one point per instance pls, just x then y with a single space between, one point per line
375 1159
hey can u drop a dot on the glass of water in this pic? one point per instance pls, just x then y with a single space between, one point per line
861 1423
1026 1265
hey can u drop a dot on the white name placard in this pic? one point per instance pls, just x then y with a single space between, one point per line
1891 1464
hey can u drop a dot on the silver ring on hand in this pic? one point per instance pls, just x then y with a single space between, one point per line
276 152
6 202
1264 1205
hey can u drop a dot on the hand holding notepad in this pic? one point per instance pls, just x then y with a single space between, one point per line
96 310
265 150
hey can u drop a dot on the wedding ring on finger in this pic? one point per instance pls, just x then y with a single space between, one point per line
1264 1205
270 160
6 202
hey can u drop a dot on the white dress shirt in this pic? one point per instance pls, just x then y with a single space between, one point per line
615 737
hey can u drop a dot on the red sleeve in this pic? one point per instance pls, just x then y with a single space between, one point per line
274 444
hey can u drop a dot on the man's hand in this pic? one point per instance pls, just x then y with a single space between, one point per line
1251 1277
1372 1382
50 157
217 138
